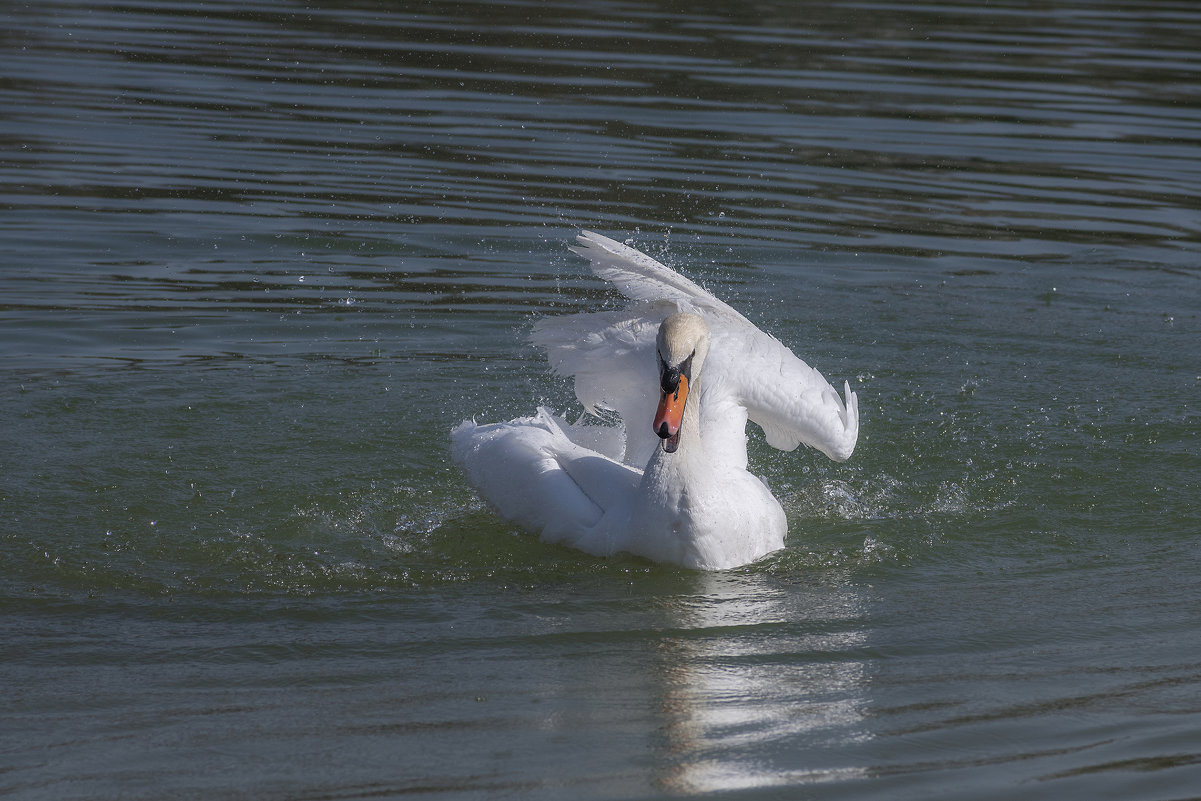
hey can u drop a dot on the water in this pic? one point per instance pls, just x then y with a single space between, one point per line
257 259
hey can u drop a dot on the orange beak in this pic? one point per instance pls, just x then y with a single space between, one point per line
670 414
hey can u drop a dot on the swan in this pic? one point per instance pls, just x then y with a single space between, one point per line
682 373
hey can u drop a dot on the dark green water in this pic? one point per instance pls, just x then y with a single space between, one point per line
256 260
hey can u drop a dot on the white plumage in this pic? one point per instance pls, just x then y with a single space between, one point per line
610 488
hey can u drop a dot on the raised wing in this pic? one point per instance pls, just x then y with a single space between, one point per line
749 374
791 401
611 356
639 277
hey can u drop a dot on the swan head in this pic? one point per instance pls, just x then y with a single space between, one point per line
682 345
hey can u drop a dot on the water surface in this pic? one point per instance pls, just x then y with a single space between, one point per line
257 259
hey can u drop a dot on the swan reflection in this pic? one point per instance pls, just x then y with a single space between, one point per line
760 685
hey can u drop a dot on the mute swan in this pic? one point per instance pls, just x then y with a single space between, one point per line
683 372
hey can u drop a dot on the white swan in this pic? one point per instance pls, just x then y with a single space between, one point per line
669 480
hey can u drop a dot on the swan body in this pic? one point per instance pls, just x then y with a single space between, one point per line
683 372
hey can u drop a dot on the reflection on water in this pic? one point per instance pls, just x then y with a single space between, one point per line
756 678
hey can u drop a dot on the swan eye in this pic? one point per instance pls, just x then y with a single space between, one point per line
686 366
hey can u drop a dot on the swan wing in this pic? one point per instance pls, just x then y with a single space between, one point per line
610 357
791 401
750 374
639 277
606 352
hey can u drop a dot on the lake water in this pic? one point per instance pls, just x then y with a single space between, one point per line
258 258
